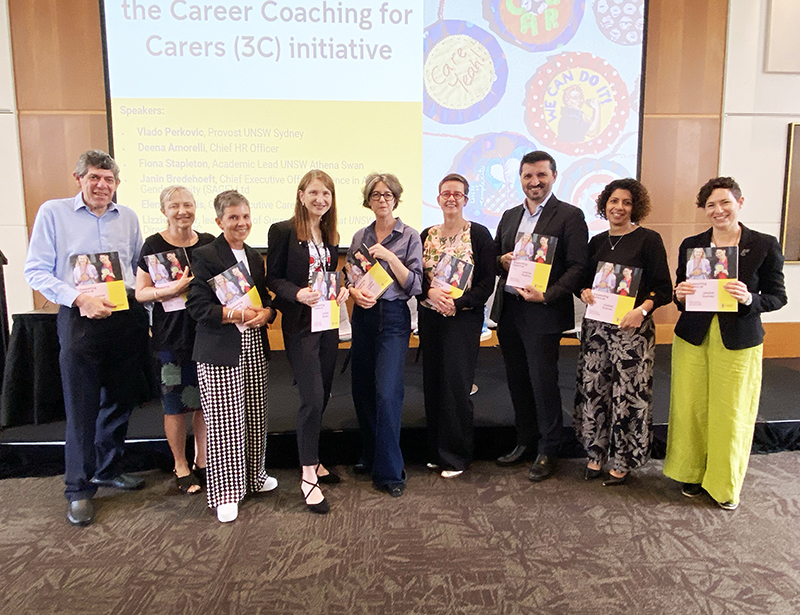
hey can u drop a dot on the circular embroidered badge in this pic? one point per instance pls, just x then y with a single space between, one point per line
490 162
576 103
464 72
621 21
534 25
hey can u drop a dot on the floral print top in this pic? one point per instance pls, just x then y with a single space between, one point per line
437 245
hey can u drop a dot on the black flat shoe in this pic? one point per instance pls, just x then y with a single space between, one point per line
691 490
395 491
362 468
320 508
126 482
329 479
613 481
590 474
516 456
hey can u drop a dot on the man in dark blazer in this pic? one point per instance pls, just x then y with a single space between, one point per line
529 322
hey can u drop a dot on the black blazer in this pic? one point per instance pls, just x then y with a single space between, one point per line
485 255
287 272
565 222
761 268
214 342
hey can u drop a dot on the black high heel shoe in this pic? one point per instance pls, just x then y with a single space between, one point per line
329 479
591 474
320 508
613 481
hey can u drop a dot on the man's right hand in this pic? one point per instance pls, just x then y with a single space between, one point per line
94 307
505 260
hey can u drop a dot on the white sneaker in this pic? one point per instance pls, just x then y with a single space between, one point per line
227 512
269 484
451 473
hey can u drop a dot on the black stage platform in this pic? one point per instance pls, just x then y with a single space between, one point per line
38 450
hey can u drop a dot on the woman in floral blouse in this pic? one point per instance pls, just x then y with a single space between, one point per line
450 324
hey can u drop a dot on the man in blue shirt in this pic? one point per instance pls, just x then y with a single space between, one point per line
101 349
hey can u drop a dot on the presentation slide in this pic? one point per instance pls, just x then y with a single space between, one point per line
251 95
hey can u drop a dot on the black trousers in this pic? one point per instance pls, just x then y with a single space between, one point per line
100 361
312 357
531 362
449 355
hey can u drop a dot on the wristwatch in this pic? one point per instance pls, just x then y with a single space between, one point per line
644 312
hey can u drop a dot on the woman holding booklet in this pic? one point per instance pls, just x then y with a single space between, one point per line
450 325
716 357
381 332
614 392
173 333
302 250
232 353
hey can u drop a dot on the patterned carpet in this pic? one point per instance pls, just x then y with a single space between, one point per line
489 542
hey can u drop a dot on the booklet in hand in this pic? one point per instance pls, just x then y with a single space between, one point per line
614 288
235 289
709 269
166 270
452 274
533 259
325 312
366 273
100 275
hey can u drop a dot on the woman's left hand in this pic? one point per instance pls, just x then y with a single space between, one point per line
737 290
260 319
344 294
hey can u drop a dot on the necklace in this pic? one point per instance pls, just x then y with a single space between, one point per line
614 245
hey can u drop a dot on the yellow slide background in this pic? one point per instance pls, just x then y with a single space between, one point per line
262 148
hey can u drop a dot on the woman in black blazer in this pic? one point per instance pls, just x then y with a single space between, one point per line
298 250
232 363
716 357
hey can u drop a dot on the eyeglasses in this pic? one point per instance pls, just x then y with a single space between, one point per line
376 196
458 196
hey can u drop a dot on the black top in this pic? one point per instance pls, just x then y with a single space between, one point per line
217 343
484 253
287 273
171 330
761 268
642 248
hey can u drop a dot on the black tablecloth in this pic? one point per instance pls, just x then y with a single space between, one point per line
32 392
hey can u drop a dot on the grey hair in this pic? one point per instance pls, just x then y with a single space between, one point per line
391 181
98 159
229 198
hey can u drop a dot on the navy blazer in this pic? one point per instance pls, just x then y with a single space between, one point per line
761 268
565 222
287 273
214 342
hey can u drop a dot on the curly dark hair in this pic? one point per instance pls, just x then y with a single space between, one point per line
726 183
641 200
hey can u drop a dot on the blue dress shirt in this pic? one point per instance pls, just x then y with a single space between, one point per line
405 243
65 227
